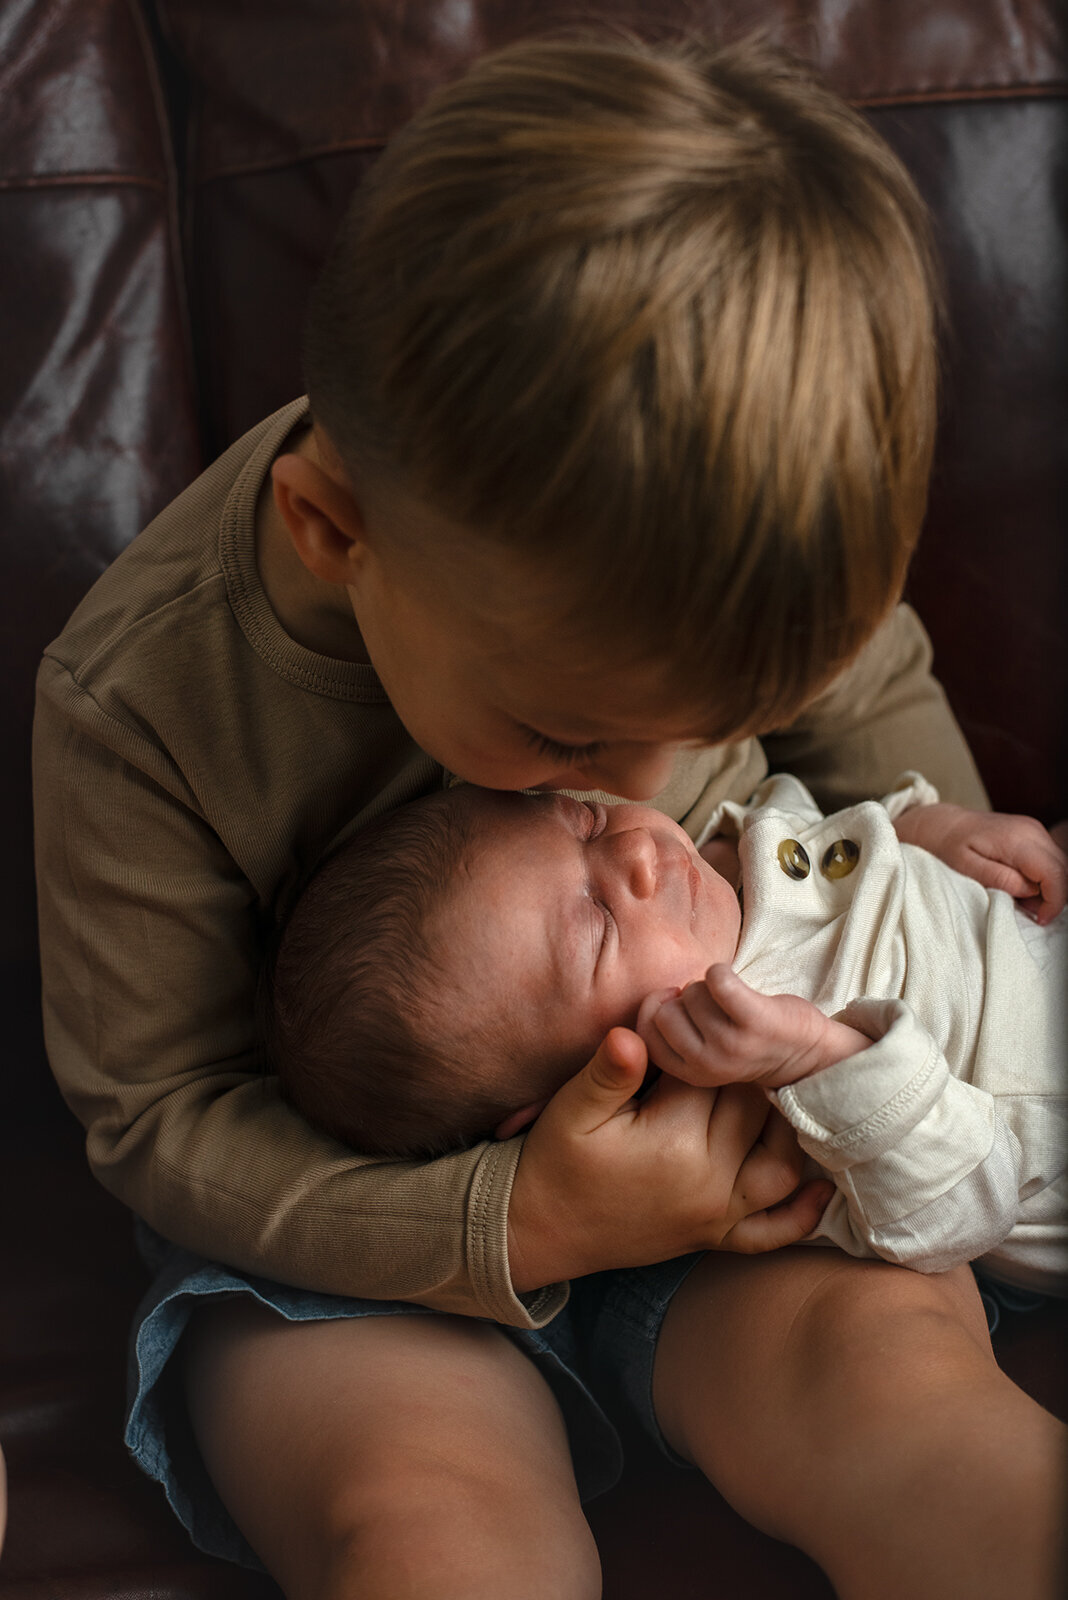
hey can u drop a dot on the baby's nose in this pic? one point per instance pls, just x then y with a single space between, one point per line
636 853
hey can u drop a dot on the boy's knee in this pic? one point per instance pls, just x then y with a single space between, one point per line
867 1324
412 1523
857 1294
396 1457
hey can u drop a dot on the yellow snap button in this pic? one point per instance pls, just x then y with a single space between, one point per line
793 859
840 858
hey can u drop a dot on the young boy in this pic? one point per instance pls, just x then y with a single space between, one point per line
621 380
544 922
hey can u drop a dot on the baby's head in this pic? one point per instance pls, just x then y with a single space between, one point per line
652 327
457 960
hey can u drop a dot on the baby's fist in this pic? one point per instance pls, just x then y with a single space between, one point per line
719 1030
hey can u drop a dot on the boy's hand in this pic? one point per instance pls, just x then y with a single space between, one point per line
608 1181
719 1030
1015 854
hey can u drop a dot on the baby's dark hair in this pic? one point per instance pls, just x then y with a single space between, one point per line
358 1021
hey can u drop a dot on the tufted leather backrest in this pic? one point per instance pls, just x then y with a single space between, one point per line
273 109
98 423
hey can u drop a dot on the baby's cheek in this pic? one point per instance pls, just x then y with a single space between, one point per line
615 1007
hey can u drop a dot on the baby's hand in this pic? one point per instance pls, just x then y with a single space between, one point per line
721 1031
1015 854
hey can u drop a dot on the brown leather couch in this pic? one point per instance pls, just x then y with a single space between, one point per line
170 173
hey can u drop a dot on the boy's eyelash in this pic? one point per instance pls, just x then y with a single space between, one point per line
553 750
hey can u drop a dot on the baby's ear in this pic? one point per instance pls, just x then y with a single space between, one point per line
518 1120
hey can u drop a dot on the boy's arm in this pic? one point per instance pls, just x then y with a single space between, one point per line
886 713
150 940
151 937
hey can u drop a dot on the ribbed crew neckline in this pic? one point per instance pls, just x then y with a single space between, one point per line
307 669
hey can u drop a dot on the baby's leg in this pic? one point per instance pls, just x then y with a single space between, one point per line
856 1410
389 1457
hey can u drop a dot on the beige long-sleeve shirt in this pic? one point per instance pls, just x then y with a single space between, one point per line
191 763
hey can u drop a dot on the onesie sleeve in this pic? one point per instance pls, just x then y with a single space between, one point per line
928 1175
150 942
885 713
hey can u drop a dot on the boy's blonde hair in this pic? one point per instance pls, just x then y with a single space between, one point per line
662 319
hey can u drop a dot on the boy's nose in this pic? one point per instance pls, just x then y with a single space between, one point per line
636 858
633 771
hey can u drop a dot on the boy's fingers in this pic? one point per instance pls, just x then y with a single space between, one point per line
780 1141
783 1224
735 1116
771 1171
605 1084
737 1122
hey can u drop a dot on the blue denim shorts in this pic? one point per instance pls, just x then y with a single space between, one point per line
596 1356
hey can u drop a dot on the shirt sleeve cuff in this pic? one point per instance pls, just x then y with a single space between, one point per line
901 1131
487 1245
861 1107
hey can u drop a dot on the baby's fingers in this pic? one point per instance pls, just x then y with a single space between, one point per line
732 996
1001 875
1055 882
685 1032
705 1034
647 1027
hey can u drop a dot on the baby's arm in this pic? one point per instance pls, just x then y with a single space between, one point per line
1012 853
719 1030
928 1174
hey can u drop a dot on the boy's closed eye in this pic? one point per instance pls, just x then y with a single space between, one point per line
565 754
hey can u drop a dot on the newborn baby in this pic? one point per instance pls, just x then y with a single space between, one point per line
455 962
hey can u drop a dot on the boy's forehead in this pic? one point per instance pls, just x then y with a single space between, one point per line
581 689
517 618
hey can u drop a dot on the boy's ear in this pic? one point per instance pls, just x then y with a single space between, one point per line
322 515
518 1120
